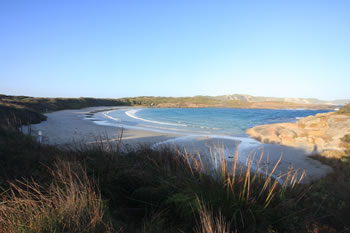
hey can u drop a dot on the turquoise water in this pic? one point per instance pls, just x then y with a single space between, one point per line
201 130
218 121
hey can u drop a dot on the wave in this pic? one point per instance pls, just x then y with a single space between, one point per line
131 113
164 128
244 142
110 117
142 127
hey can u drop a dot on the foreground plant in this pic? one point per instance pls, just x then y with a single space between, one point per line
155 190
211 223
249 199
72 203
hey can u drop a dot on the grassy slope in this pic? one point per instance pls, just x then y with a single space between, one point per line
12 114
53 104
156 191
19 110
209 101
183 101
142 191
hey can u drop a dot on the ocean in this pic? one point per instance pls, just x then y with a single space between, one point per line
200 121
202 129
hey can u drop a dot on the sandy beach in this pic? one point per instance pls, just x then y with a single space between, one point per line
74 126
77 126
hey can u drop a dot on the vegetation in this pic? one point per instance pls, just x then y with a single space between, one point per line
346 144
43 105
15 115
196 101
138 191
54 104
344 110
332 192
71 203
99 188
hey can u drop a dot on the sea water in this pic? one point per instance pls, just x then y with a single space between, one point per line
219 124
201 121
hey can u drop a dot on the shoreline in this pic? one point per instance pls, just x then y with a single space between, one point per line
71 126
322 133
67 126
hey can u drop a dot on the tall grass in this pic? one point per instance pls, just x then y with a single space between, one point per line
72 203
173 179
150 189
239 193
164 189
240 180
209 223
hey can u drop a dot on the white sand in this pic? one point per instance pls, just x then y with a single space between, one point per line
65 127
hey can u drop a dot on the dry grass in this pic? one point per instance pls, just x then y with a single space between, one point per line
234 196
156 190
71 203
210 223
241 181
153 190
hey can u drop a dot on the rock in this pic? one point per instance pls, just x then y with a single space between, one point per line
317 134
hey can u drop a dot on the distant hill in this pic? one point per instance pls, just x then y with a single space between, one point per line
230 101
252 99
19 110
43 105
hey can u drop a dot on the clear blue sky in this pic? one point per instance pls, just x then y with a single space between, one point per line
296 48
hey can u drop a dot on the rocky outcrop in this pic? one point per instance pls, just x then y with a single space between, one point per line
322 133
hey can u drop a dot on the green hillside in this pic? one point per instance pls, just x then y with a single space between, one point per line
54 104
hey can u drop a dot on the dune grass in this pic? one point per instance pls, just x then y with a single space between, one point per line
101 188
332 193
168 183
71 203
211 222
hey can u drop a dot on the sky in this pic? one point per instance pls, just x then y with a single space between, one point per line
124 48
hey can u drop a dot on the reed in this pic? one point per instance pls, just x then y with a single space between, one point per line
241 193
211 223
72 203
166 181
